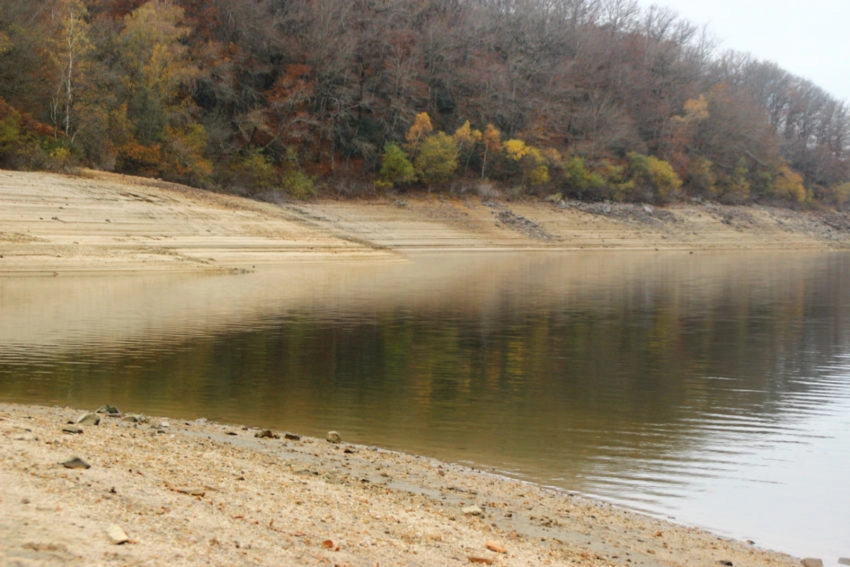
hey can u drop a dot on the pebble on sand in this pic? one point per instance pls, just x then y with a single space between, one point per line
333 437
76 463
266 434
109 410
812 562
88 419
117 535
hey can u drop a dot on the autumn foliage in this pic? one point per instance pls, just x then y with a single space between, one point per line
589 99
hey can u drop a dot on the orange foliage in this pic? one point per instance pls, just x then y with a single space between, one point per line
26 123
140 159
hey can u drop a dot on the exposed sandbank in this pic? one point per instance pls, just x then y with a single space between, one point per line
198 493
106 222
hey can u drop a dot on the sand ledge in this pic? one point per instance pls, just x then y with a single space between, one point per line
103 222
199 493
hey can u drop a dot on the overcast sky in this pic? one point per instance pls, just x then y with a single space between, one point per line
809 38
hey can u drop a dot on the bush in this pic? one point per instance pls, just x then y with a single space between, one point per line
436 161
580 181
840 195
527 162
788 185
702 180
257 171
185 156
298 184
24 142
735 188
653 177
395 167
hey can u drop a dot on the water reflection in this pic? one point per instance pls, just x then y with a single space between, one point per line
684 385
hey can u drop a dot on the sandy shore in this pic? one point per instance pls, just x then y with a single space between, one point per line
106 222
210 494
200 493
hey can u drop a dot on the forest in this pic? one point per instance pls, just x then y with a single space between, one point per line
279 99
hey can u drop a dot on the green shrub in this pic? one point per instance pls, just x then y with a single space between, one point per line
258 170
841 195
437 159
735 187
581 181
395 167
298 184
653 177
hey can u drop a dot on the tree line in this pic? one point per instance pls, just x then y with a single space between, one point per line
589 99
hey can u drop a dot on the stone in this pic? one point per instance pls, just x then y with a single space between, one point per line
117 535
812 562
333 437
109 410
844 560
473 510
292 436
76 463
73 429
266 434
88 419
136 418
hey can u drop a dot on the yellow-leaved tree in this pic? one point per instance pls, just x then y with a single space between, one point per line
436 161
529 161
156 63
650 178
417 132
492 139
466 139
788 185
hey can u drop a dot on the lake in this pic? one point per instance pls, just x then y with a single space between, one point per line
712 389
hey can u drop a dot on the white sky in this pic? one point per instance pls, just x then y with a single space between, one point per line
809 38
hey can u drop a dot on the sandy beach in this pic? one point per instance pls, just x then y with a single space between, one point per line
162 491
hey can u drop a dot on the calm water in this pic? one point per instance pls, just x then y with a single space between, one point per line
712 389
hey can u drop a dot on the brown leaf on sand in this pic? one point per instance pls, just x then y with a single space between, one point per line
190 490
483 560
496 546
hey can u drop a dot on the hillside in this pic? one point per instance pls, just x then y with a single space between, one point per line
106 222
591 99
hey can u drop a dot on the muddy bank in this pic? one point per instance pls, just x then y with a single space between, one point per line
198 493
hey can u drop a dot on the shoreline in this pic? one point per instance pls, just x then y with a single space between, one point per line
198 492
100 222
